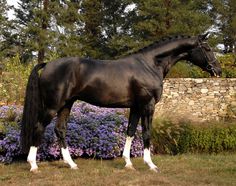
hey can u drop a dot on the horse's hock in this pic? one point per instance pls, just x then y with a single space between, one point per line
198 99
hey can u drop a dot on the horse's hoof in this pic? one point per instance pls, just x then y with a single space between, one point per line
130 167
74 167
155 169
35 170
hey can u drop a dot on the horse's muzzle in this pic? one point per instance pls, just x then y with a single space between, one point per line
216 72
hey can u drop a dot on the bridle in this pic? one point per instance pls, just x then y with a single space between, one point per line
210 62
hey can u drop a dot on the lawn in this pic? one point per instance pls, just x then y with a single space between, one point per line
175 170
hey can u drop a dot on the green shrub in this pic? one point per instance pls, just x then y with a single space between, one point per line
170 138
228 64
186 70
13 81
165 136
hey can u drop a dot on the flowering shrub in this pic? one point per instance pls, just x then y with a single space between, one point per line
91 132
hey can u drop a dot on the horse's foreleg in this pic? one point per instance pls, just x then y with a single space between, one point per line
60 131
126 152
133 121
146 120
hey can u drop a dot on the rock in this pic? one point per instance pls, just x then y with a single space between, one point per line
204 90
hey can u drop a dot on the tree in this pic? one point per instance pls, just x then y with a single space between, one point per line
150 20
66 24
116 27
6 35
43 13
91 33
103 28
159 18
32 22
3 17
224 14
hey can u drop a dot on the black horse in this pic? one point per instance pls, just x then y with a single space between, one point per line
134 81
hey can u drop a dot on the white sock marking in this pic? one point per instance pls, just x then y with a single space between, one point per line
67 158
32 158
147 159
126 152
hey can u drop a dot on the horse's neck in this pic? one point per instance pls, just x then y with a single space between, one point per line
173 47
164 64
166 56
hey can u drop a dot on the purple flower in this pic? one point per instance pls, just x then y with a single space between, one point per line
92 132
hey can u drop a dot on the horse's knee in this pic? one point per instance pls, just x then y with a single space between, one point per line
131 132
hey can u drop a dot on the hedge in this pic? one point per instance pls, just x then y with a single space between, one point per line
185 137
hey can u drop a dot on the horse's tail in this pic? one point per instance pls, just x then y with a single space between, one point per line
32 109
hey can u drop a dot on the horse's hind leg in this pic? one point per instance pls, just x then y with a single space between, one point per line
146 121
133 122
60 131
32 159
38 133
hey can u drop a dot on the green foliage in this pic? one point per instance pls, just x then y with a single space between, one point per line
185 137
165 136
32 23
186 70
210 139
6 30
224 15
228 64
161 18
13 81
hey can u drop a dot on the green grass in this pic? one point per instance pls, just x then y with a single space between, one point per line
175 170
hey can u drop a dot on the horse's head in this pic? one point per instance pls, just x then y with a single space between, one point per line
203 56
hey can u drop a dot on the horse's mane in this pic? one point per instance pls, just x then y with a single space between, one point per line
159 43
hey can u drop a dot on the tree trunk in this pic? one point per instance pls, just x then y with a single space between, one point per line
167 15
44 26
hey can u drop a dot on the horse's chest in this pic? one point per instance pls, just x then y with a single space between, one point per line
145 91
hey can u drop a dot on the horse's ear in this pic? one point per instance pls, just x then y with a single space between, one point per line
203 37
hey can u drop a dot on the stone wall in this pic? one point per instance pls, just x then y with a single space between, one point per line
198 99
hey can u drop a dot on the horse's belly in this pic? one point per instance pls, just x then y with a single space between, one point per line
106 98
